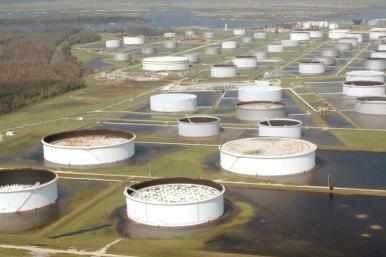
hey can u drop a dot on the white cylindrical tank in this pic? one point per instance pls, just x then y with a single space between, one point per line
193 57
223 71
113 43
88 147
190 33
267 156
260 110
378 54
289 43
122 57
375 33
245 62
327 61
382 47
175 202
199 126
330 52
135 40
229 45
315 33
170 34
260 35
173 102
333 26
352 41
357 36
377 64
363 88
165 63
343 47
275 48
260 93
365 75
246 39
239 32
311 67
280 128
338 33
261 55
27 189
300 35
171 45
212 50
208 34
375 105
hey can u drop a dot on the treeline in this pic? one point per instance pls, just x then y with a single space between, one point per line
38 65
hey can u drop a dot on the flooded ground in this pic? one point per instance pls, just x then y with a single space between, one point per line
306 224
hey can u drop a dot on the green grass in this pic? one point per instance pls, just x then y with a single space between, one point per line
362 140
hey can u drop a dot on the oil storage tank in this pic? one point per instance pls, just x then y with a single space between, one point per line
175 202
199 126
330 52
193 57
113 43
374 105
365 75
229 45
239 32
378 54
245 62
223 71
343 47
300 35
363 88
327 61
171 45
170 34
353 41
289 43
311 67
173 102
375 33
260 35
165 63
275 48
122 57
260 110
88 147
267 156
134 40
280 128
338 33
377 64
27 189
260 93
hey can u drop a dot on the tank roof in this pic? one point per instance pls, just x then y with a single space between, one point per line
281 123
199 119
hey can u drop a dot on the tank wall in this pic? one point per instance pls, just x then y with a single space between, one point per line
370 108
29 199
307 68
223 72
375 64
259 115
352 76
158 66
245 63
88 156
198 129
357 91
292 132
267 167
175 215
248 96
174 105
275 48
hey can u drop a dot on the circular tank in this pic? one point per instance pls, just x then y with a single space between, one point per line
245 62
352 41
190 33
260 93
208 34
378 54
330 52
338 33
315 33
260 35
365 75
275 48
260 110
148 50
239 32
342 47
113 43
27 189
267 156
212 50
175 202
375 33
165 63
358 36
199 126
261 55
229 45
223 71
300 35
280 128
193 57
122 57
289 43
173 102
171 45
363 88
382 47
170 34
88 147
311 67
375 105
377 64
137 40
327 61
